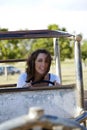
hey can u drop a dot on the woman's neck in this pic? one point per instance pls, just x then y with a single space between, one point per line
40 77
41 84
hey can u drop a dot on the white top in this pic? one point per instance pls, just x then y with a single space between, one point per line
22 79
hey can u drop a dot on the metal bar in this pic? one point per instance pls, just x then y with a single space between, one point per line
57 58
7 85
14 89
12 60
33 34
79 75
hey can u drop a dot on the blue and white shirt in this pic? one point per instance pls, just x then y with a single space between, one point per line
22 79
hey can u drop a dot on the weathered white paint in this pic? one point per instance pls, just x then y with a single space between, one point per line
57 102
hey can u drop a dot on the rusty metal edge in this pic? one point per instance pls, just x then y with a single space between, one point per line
69 86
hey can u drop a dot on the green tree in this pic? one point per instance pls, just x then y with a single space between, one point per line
84 51
53 27
20 48
9 49
3 29
14 48
65 48
46 43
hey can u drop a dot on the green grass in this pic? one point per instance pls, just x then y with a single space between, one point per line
67 72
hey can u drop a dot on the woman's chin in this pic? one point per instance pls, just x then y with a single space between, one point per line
40 73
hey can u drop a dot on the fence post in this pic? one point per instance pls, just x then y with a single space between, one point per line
6 73
79 75
57 58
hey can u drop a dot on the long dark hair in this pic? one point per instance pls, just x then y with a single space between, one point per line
30 70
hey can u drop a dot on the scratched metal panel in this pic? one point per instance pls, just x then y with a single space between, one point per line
60 103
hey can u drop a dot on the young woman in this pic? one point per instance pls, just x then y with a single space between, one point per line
37 71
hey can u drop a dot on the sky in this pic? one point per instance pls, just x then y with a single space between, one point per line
38 14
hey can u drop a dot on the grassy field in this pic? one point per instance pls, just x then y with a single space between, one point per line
67 72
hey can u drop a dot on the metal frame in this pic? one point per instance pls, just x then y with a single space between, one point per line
53 34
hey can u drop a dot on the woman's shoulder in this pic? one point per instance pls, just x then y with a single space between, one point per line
23 75
54 77
21 80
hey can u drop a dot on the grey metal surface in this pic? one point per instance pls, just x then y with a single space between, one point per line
79 72
61 102
33 34
57 58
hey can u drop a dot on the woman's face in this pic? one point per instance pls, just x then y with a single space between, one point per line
41 64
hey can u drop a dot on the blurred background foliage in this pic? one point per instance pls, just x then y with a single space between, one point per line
21 48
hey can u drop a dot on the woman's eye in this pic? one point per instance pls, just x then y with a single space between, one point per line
40 60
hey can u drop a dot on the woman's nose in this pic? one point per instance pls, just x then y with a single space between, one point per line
43 63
